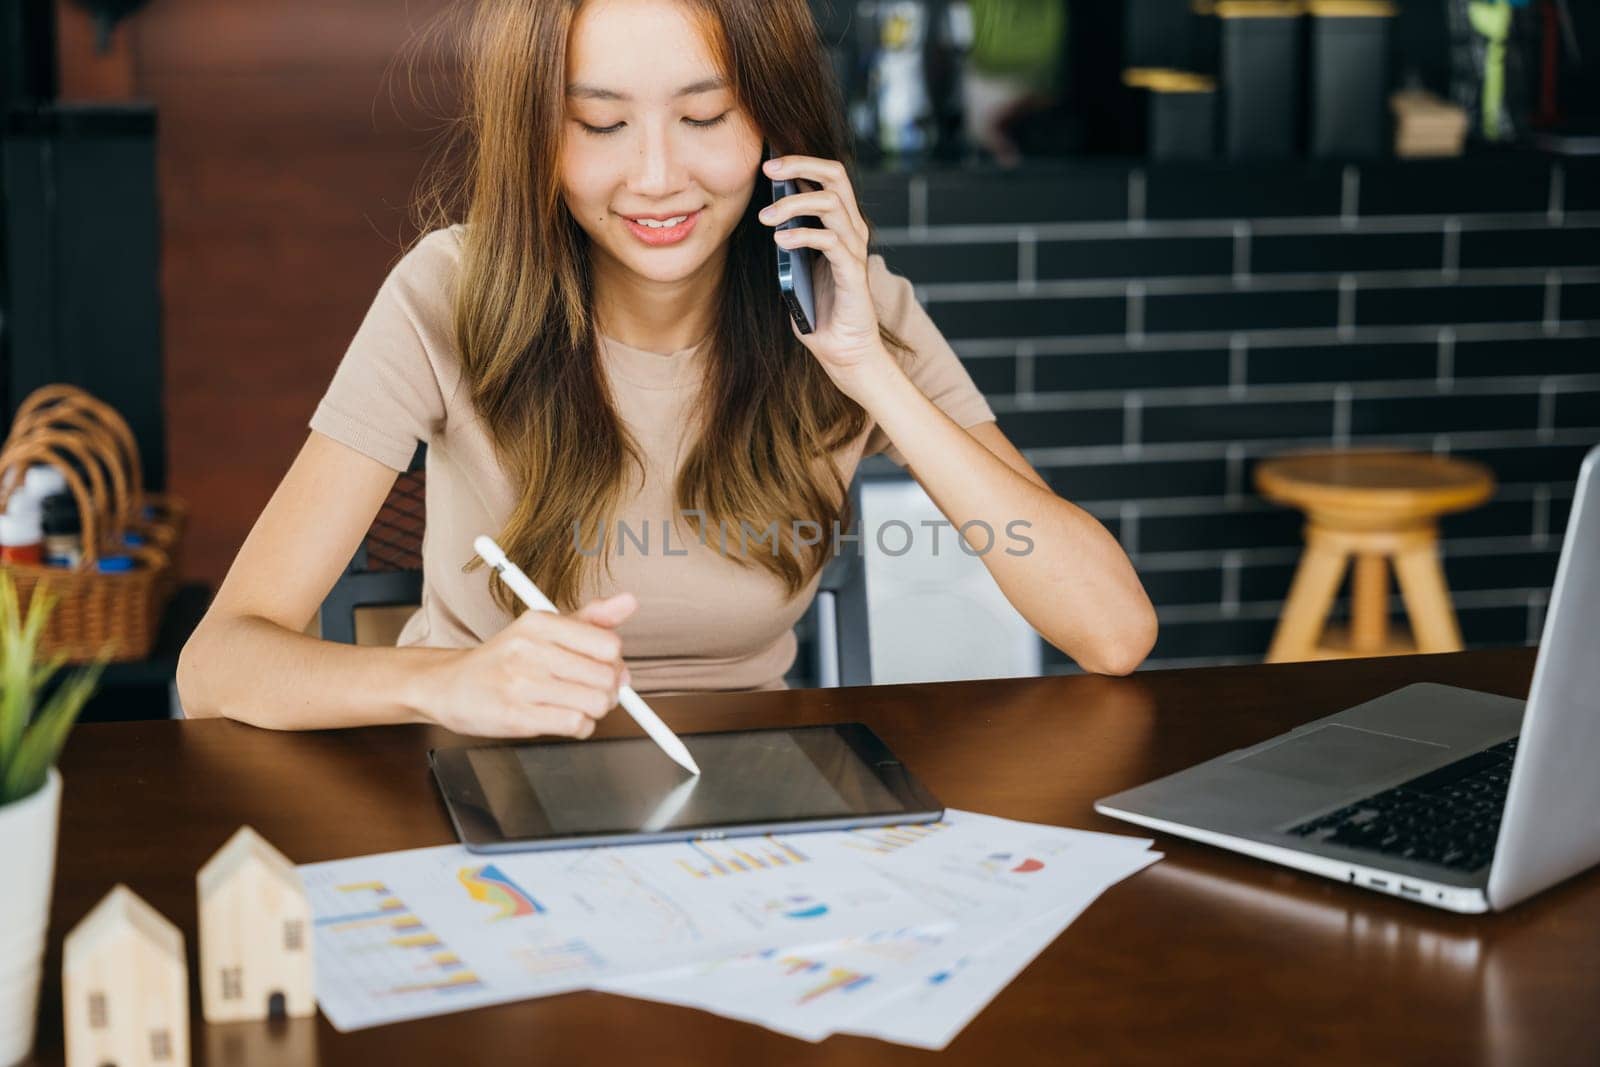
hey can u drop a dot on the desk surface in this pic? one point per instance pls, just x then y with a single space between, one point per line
1205 957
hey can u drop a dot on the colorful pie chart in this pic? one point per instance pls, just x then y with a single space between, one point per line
803 907
997 860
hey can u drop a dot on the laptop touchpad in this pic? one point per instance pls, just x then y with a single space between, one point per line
1341 756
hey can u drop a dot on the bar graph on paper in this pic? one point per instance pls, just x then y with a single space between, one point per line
742 856
386 948
563 957
445 936
820 979
882 840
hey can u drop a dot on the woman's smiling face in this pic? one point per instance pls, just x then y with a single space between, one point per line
653 131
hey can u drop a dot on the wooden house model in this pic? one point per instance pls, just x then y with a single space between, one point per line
255 934
125 987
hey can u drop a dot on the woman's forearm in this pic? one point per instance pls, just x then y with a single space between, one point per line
252 669
1073 583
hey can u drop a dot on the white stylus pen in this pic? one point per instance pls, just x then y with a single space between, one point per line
529 594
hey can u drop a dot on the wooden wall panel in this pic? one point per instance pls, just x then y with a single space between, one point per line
289 151
87 72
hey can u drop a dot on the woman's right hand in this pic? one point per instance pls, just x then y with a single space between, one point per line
543 674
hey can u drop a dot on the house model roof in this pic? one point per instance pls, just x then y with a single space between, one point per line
243 847
121 909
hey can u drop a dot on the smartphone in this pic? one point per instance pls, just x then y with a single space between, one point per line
795 264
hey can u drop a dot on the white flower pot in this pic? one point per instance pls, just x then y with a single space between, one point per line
27 871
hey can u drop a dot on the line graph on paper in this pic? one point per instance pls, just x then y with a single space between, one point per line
615 887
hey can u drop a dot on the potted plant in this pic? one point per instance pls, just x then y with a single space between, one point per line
32 730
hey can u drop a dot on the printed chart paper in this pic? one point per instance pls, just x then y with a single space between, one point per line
429 931
902 933
1008 888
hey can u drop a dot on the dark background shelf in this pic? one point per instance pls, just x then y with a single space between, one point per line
142 689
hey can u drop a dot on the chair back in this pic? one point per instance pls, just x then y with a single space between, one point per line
367 604
933 611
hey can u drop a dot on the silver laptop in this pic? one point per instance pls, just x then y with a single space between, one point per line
1455 798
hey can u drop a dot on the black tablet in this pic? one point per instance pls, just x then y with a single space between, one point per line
572 794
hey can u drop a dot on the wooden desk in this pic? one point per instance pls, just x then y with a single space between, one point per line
1206 957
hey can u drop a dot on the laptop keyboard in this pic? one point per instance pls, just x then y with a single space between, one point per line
1450 816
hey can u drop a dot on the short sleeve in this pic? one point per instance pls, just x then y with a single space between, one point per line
932 364
386 395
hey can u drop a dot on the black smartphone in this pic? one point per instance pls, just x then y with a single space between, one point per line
794 264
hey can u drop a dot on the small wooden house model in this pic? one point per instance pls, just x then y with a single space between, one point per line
125 987
255 934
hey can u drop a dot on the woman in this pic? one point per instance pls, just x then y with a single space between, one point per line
599 355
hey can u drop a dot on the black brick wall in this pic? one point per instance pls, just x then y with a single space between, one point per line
1145 335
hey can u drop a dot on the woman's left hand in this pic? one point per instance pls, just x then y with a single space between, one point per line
845 336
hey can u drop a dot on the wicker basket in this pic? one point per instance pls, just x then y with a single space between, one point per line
160 519
97 614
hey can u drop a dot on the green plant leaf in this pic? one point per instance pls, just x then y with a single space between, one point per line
42 742
29 742
16 698
39 609
43 672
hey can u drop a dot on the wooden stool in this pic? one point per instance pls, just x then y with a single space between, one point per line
1376 506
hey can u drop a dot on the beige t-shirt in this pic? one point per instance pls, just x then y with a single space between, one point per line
703 622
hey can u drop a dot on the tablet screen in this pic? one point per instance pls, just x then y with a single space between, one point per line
630 786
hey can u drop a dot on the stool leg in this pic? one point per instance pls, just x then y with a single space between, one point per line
1369 608
1316 581
1427 598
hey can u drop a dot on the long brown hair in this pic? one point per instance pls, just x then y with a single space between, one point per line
769 417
